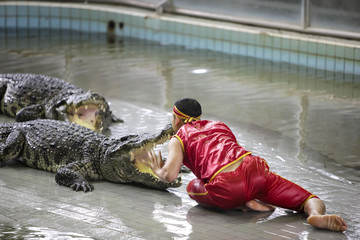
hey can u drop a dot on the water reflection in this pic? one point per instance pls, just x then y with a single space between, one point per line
305 122
316 109
232 222
8 231
174 220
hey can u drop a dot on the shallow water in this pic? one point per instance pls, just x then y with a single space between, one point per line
304 122
313 116
22 232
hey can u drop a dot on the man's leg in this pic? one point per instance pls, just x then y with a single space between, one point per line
315 209
197 191
286 194
255 205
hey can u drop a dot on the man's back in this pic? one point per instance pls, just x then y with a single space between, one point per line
208 146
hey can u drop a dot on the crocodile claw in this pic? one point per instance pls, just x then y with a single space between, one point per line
82 185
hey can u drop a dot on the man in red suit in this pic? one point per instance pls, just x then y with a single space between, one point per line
228 176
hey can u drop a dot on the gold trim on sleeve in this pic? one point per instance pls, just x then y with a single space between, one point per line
182 144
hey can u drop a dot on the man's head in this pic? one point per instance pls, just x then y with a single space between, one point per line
185 110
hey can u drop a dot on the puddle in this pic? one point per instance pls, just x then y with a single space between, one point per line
21 232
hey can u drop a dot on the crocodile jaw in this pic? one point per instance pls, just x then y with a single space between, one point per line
124 159
87 115
141 154
137 157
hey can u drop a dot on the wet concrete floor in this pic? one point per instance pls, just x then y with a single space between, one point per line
31 200
33 206
299 120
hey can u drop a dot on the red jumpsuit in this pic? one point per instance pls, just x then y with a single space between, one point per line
209 147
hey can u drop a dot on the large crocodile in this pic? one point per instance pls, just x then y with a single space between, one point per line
78 155
32 96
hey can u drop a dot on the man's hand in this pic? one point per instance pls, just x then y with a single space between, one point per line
167 171
154 162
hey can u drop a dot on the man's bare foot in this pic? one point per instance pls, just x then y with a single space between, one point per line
331 222
259 206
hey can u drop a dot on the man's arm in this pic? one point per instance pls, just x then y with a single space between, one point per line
169 170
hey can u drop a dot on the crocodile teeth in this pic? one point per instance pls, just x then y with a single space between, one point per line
62 108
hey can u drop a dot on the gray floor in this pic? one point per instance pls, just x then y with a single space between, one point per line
32 205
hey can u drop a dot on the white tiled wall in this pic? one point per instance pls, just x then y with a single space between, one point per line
325 54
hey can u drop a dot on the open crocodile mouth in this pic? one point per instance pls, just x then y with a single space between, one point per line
89 115
138 155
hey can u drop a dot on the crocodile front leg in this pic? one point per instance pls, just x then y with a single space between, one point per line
115 118
75 175
3 87
13 146
30 113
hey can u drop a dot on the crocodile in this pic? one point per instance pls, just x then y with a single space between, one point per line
32 96
79 155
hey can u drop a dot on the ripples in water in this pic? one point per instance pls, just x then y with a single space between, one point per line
314 113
